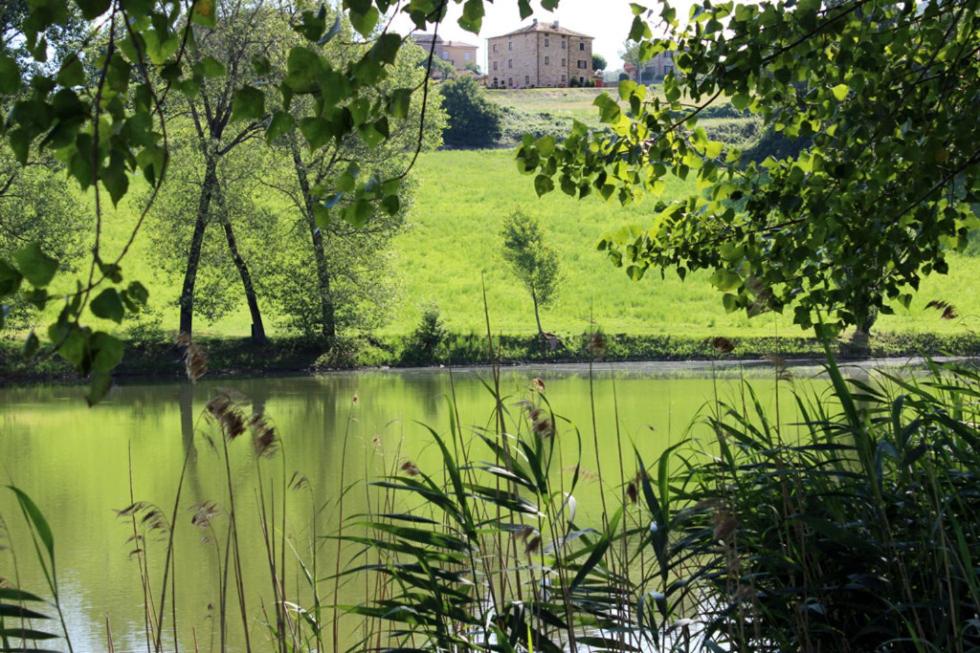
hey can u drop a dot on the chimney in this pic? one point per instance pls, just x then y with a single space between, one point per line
555 24
535 22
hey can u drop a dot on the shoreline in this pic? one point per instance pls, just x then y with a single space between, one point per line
161 361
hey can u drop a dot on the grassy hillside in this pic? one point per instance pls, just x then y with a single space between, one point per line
453 240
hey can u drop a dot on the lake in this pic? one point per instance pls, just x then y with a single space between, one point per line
77 462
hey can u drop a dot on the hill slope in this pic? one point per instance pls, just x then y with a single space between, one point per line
454 238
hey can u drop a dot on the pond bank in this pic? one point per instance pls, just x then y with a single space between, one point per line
284 356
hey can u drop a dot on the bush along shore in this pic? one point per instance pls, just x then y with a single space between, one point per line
228 357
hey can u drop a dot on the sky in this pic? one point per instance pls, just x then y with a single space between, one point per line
607 20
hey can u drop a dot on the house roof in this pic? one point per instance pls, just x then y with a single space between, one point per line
551 28
427 38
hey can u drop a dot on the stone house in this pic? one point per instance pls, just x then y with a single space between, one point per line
460 55
539 55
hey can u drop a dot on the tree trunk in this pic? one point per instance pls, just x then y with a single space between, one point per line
327 314
258 330
537 315
194 256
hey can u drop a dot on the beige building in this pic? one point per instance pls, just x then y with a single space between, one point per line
460 55
539 55
654 70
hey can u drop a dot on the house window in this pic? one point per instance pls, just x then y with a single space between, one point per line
527 80
563 43
581 65
581 80
467 56
581 46
510 45
562 63
547 43
445 55
510 81
495 82
563 80
667 70
547 61
510 63
495 65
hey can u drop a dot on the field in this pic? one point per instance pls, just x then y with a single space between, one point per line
451 246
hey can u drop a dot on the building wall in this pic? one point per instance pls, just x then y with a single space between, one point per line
459 55
579 59
655 69
537 59
512 61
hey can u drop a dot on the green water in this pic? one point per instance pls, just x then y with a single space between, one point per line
74 461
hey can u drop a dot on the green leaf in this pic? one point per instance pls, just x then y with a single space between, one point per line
9 75
399 102
36 519
31 345
99 385
248 104
543 184
116 181
472 18
840 91
316 131
36 266
204 13
10 279
364 22
281 124
138 293
107 352
740 101
303 66
210 68
108 305
358 213
386 48
72 72
726 280
93 8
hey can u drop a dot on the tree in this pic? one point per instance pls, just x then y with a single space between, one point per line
218 289
474 121
344 253
598 62
534 263
842 230
231 61
37 207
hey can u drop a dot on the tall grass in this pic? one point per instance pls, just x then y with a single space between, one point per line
849 528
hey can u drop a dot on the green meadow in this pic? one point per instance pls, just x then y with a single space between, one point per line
450 250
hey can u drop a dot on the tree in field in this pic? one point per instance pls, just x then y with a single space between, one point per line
335 274
37 207
534 263
235 184
598 62
474 121
230 63
838 231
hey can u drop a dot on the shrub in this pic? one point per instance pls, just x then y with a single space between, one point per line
422 346
474 122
